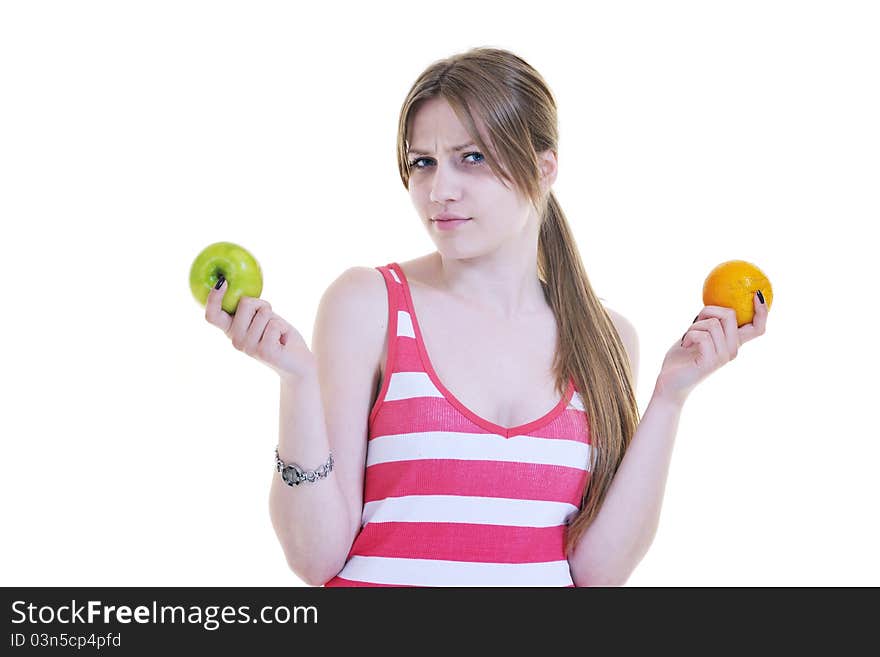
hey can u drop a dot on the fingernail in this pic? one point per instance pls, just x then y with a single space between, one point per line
220 282
760 296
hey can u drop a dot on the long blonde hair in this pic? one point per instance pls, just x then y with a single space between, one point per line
519 113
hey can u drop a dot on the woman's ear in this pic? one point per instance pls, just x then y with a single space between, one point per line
549 165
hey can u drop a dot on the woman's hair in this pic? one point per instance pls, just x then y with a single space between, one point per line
518 111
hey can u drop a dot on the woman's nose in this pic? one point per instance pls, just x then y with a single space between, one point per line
445 185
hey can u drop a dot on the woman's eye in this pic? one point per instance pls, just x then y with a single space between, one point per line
415 163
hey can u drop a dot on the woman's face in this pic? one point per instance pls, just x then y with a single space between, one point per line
446 178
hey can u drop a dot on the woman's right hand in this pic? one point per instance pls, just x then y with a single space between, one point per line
262 334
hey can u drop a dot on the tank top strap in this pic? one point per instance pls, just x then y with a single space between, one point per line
403 353
396 296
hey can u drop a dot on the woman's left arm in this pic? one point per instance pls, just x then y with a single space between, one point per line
624 528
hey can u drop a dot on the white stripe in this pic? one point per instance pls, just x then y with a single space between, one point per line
469 509
394 274
577 402
404 324
478 447
435 572
406 385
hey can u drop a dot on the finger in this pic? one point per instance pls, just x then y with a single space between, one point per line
286 330
758 324
271 340
241 320
704 343
213 312
727 317
712 327
722 348
255 330
692 323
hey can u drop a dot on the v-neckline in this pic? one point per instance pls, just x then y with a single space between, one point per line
506 432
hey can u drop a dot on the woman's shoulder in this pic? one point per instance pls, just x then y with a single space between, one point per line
365 284
628 336
363 289
352 316
356 281
357 295
620 321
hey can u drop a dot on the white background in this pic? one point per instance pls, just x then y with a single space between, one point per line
138 443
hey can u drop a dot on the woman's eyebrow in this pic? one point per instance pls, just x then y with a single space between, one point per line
415 151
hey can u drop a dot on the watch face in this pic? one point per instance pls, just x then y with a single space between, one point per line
291 475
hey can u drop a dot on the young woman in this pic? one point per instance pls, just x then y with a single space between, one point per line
468 417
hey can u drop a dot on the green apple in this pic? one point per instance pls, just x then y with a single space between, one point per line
235 264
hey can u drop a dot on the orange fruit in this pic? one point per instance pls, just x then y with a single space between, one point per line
733 284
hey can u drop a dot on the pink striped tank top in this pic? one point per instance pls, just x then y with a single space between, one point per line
451 499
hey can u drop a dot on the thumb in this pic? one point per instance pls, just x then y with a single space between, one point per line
213 309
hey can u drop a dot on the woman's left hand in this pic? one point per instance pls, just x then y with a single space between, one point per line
711 341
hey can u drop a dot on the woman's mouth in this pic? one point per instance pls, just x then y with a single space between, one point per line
449 224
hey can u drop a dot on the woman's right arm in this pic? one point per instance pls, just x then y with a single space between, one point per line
326 394
312 520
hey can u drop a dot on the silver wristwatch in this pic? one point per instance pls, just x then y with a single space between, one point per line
293 475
